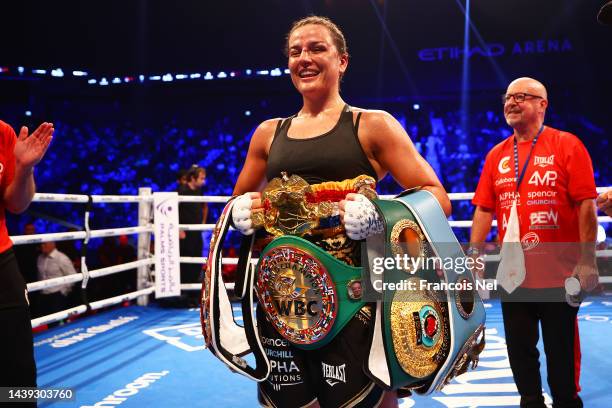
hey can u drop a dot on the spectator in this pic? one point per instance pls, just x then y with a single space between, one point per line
54 264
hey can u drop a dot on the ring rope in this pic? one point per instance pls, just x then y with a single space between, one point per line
88 234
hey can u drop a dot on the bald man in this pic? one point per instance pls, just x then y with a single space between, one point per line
549 173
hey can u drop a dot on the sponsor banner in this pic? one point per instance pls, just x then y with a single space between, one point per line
124 394
61 341
167 260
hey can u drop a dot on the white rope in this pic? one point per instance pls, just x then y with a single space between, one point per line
197 227
203 260
114 232
203 199
55 236
77 277
93 306
120 199
54 317
198 286
81 198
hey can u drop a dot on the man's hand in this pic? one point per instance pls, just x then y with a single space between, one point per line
29 150
604 202
588 275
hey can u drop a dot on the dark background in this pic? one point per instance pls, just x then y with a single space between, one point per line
385 37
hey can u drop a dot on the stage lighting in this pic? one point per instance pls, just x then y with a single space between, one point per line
103 82
20 70
92 81
416 106
195 76
167 78
276 72
221 75
39 71
180 76
208 76
79 73
58 73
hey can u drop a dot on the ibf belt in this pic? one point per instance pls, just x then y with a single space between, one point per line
307 294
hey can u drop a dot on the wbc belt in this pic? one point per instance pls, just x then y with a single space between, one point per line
307 294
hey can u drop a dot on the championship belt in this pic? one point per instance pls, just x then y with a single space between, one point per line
307 294
228 341
423 336
294 207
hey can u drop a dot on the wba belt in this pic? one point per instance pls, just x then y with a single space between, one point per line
307 294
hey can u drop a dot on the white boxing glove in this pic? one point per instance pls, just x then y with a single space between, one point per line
361 219
241 214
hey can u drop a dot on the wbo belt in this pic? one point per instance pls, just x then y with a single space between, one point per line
307 294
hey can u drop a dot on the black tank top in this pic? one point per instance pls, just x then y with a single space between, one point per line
333 156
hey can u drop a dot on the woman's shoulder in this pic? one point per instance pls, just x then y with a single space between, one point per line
375 119
267 128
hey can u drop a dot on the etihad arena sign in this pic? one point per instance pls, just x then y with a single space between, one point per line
529 47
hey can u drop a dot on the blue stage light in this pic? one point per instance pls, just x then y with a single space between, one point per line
167 78
275 72
208 76
39 71
58 73
416 106
221 75
92 81
195 76
79 73
28 113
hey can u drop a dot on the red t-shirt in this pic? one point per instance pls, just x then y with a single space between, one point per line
7 172
558 177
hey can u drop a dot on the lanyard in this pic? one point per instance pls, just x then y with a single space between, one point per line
516 159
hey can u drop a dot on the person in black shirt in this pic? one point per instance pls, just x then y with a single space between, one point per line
191 243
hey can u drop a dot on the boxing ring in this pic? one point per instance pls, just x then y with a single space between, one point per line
139 354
